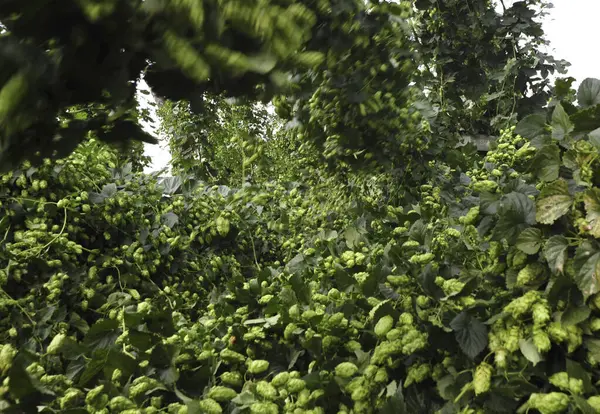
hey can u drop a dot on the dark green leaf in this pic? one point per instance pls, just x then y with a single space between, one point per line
301 289
170 219
102 334
561 124
297 264
576 370
575 314
79 323
546 163
591 199
22 384
593 347
516 213
170 184
395 403
587 119
470 333
93 367
594 137
555 252
117 359
531 126
583 405
587 263
588 93
530 240
162 355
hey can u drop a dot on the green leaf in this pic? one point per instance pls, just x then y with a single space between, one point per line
20 382
553 202
575 314
591 199
593 347
555 252
576 370
531 126
445 387
102 334
470 333
587 261
587 119
244 398
530 240
261 63
516 213
353 237
594 138
93 367
168 375
588 93
109 190
583 405
546 163
297 264
170 184
170 219
563 87
529 351
395 403
561 124
301 288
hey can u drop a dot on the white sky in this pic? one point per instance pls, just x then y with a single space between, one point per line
570 27
572 31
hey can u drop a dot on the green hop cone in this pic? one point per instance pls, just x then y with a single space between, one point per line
232 378
264 408
541 340
383 326
221 393
346 370
280 379
231 356
222 226
209 406
7 353
482 378
56 344
551 403
258 366
266 390
296 385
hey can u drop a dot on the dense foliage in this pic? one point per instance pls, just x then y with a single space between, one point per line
359 259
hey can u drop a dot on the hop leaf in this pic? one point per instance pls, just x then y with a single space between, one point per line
554 202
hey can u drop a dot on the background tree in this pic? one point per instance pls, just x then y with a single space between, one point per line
484 68
93 53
